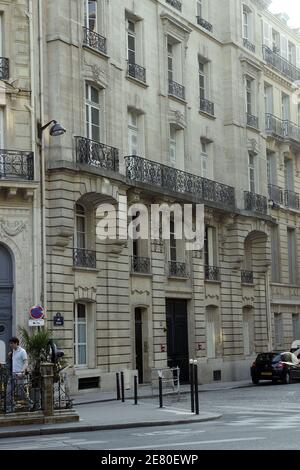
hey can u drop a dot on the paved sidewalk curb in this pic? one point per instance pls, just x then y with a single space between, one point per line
104 427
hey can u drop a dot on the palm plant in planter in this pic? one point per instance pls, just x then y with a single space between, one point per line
36 344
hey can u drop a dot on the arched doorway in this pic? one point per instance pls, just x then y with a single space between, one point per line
6 289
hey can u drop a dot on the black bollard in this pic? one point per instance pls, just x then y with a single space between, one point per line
160 392
192 385
122 387
196 387
135 390
118 386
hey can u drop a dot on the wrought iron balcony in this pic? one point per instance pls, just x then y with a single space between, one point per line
177 269
282 129
275 194
4 68
137 71
212 273
162 176
140 265
205 24
176 90
280 64
84 258
256 203
96 155
248 45
291 199
94 40
16 165
175 3
207 106
247 277
252 121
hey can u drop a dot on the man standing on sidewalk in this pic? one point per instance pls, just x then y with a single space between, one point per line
18 392
19 358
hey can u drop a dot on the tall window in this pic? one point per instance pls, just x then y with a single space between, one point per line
271 168
92 112
245 22
1 128
268 90
275 41
251 172
211 331
249 97
248 331
292 53
278 330
200 8
296 326
173 245
131 42
90 15
275 260
285 106
289 174
80 240
80 335
210 246
204 160
170 62
291 239
173 138
202 80
133 133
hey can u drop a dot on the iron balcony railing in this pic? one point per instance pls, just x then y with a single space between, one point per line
212 273
94 40
140 265
16 165
177 269
249 45
256 203
137 71
97 155
84 258
291 199
176 90
205 24
247 277
207 106
281 64
282 129
275 194
175 3
155 174
252 121
4 68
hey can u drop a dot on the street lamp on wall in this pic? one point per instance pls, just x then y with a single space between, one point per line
56 130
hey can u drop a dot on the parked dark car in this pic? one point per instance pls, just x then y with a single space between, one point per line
283 366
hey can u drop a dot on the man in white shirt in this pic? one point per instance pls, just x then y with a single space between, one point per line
19 358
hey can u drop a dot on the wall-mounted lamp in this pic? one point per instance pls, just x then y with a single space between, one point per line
56 130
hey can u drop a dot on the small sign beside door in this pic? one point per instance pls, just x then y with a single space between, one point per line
58 319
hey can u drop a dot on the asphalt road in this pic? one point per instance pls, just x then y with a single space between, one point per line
264 417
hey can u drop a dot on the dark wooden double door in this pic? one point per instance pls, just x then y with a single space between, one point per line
177 337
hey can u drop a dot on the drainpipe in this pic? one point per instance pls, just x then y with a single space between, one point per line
268 309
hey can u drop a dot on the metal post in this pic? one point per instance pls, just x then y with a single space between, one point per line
118 386
160 384
196 387
192 385
122 387
135 390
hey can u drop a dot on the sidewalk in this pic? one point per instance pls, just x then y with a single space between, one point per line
101 411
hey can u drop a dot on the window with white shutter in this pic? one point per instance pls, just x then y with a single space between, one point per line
284 47
267 34
132 133
173 144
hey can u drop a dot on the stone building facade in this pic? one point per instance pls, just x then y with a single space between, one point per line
167 101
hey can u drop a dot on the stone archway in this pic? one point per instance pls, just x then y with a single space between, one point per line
6 305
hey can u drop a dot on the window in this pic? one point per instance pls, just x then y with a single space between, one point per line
252 173
249 109
212 332
204 160
285 106
200 8
92 111
170 62
210 246
278 327
245 22
296 326
275 271
271 168
80 235
173 138
202 80
275 41
80 335
268 92
289 174
291 240
248 331
90 15
1 128
133 133
173 246
292 53
131 42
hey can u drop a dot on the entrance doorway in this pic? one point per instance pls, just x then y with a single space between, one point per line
177 337
6 289
139 359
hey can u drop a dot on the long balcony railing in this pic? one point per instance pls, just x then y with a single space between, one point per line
247 277
140 265
177 90
275 194
177 269
291 199
16 165
155 174
84 258
94 40
212 273
283 129
256 203
207 106
175 3
137 71
252 121
96 155
281 64
4 68
205 24
249 45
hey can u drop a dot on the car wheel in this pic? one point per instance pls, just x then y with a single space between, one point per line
286 378
255 381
